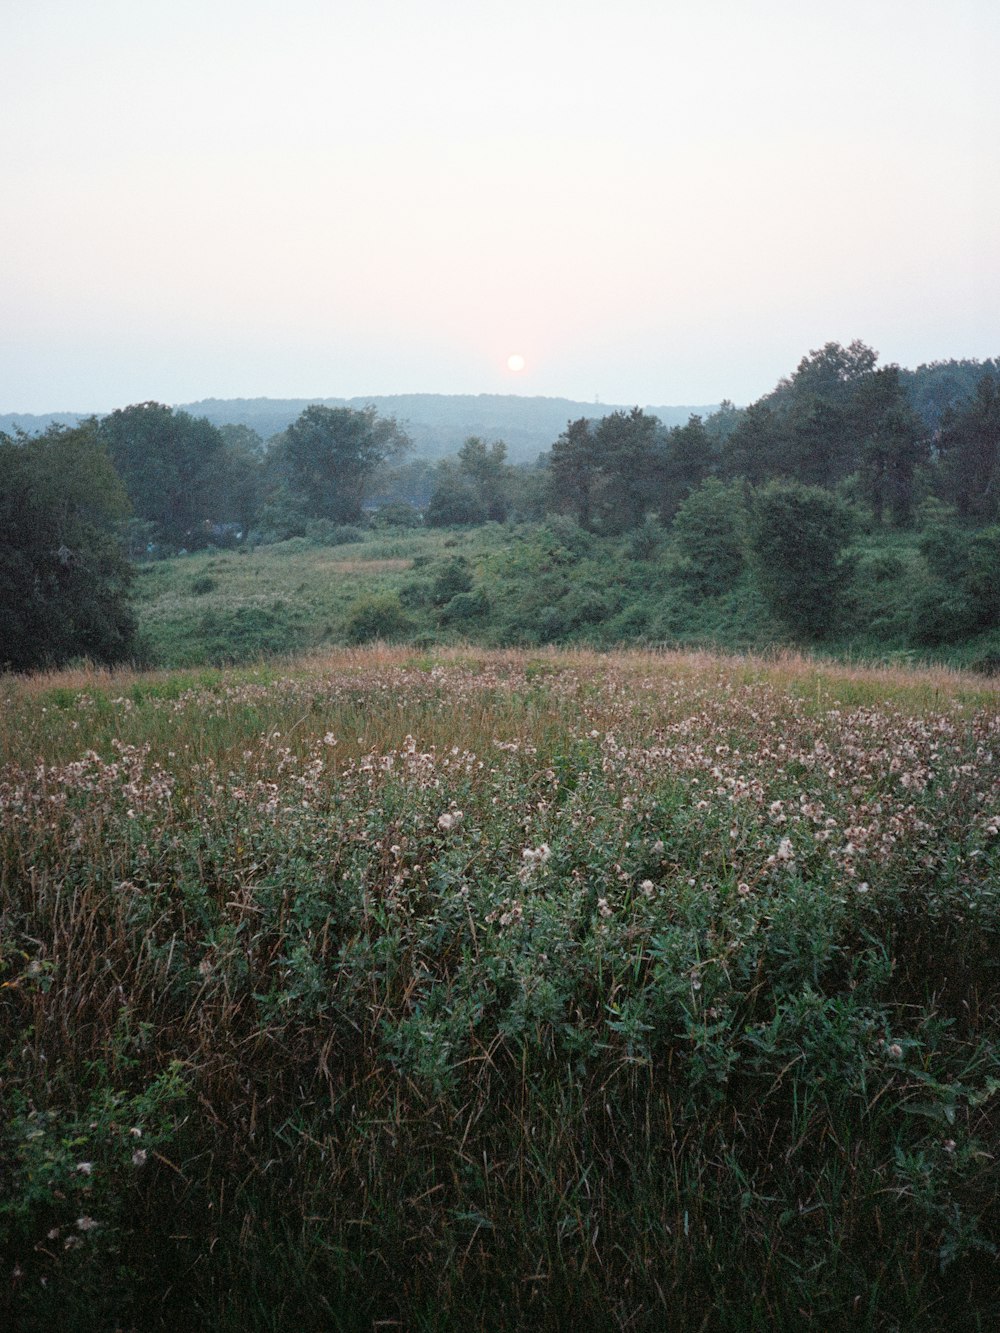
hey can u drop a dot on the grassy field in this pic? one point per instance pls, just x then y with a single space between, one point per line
469 989
522 585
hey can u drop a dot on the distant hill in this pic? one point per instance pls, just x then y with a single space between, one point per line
437 423
32 424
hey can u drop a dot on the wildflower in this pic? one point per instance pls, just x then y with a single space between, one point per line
450 819
603 908
86 1224
139 1157
85 1168
647 887
743 889
895 1051
786 852
658 847
540 854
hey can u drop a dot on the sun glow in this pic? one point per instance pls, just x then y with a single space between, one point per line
515 362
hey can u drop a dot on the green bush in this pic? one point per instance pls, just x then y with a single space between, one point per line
377 616
797 538
465 607
451 579
397 514
940 614
708 533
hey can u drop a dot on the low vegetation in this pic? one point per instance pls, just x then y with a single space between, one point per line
491 989
540 583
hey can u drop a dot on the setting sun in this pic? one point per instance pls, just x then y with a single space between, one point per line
515 362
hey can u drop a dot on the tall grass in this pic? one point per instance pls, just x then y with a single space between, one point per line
500 990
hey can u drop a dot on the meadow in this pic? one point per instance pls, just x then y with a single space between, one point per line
516 585
463 988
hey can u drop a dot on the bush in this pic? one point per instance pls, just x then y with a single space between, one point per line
452 578
646 541
397 514
708 532
465 607
377 616
940 614
982 582
797 535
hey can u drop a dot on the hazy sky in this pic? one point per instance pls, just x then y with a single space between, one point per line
652 201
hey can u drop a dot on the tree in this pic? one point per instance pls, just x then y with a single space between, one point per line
454 501
173 467
489 474
627 448
797 536
708 532
829 374
64 578
330 454
969 447
758 447
690 457
893 445
574 474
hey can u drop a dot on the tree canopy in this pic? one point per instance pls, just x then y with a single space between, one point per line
328 456
64 579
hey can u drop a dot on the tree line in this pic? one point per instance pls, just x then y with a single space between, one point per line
838 437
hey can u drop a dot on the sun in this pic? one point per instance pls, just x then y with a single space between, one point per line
515 362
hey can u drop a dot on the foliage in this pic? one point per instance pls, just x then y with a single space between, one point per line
797 540
64 578
377 616
708 530
329 455
969 445
454 502
179 471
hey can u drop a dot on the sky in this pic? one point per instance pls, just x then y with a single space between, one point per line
652 202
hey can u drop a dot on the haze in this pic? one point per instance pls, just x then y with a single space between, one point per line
651 202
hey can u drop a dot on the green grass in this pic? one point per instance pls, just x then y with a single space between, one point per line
527 585
472 990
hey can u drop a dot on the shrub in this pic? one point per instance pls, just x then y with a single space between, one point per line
708 532
646 541
940 614
797 535
452 578
377 616
397 514
466 606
